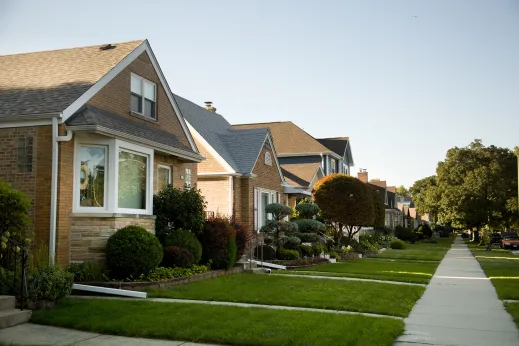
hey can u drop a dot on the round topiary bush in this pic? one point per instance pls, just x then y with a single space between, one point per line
132 251
288 254
291 242
306 250
269 253
187 240
175 256
307 210
309 225
398 244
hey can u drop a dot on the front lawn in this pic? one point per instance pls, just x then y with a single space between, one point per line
513 309
502 267
219 324
375 268
370 297
420 251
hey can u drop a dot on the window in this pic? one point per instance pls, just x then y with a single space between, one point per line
333 168
188 177
262 198
163 177
92 176
25 154
264 202
132 180
143 96
268 159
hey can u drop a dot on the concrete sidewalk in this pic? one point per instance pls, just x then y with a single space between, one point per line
35 334
460 307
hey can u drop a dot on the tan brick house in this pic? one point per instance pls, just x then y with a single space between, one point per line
90 134
241 173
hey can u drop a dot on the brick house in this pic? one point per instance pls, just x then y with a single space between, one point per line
241 173
304 159
90 134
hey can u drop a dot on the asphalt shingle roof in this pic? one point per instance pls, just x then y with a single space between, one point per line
239 148
49 81
289 138
337 145
300 174
95 117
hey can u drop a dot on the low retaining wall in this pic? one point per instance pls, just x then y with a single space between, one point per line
137 286
350 255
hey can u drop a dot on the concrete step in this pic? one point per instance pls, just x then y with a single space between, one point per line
7 302
14 317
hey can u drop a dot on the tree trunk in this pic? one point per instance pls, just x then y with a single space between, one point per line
475 235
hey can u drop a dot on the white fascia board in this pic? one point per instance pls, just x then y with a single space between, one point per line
101 83
25 123
210 149
350 155
329 153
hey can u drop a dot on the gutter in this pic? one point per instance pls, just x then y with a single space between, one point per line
54 186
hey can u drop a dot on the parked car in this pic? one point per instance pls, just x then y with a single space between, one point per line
510 240
495 239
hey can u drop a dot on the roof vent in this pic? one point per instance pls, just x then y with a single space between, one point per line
107 47
209 106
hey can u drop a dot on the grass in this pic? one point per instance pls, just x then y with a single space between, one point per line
513 309
420 251
502 267
219 324
375 268
370 297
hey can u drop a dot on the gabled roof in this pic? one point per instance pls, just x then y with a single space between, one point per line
339 145
50 81
300 174
239 148
90 118
289 138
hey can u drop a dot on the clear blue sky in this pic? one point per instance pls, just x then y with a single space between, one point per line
405 80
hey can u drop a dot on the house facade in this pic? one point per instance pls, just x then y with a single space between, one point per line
90 135
304 159
241 174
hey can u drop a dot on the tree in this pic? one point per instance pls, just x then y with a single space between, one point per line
379 209
346 202
402 191
277 227
426 196
308 229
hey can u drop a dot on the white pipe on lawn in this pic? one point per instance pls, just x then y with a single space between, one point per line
54 186
114 291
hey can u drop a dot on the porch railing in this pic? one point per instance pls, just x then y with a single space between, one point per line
13 269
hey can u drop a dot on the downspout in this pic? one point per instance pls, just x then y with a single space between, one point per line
54 187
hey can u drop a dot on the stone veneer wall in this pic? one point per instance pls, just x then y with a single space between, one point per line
88 235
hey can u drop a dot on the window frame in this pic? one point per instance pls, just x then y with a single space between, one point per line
143 98
187 182
28 154
170 174
77 170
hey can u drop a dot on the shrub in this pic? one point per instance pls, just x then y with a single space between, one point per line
309 225
50 283
268 241
178 208
363 246
426 230
219 243
305 237
175 256
335 255
371 240
291 242
318 249
288 254
307 210
163 273
14 218
269 253
306 250
132 251
187 240
405 234
87 271
398 244
243 237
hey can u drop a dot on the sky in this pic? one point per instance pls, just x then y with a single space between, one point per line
405 80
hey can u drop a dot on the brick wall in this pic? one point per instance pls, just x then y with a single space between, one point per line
178 169
216 193
88 235
210 165
115 98
65 201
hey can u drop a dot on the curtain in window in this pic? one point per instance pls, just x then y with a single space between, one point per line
132 180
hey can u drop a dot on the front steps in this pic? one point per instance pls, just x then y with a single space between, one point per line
9 315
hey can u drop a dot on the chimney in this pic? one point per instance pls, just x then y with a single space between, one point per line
391 189
209 106
378 182
363 175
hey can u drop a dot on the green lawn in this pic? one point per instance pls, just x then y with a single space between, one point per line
513 309
502 267
219 324
420 251
386 299
375 268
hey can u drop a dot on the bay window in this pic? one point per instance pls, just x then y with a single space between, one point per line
112 176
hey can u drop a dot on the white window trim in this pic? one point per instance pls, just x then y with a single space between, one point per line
159 166
111 174
188 173
142 79
272 197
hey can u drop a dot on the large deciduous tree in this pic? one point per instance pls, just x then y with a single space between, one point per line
426 196
379 209
346 202
402 191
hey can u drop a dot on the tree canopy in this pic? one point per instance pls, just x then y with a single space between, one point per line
402 191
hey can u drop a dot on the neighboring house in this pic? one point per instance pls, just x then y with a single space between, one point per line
303 159
341 146
406 205
393 216
241 174
90 134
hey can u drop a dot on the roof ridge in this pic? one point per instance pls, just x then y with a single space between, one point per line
267 122
72 48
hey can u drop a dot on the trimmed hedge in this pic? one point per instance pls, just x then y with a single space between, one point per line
218 243
187 240
132 251
175 256
398 244
288 254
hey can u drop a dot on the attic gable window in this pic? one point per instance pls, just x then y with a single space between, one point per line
143 96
